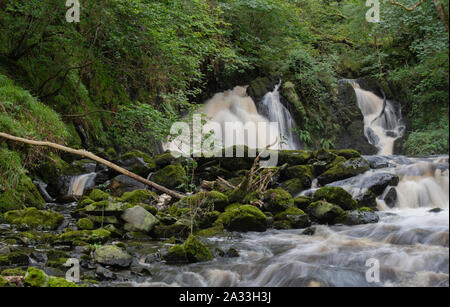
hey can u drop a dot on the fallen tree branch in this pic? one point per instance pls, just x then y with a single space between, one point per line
412 8
91 156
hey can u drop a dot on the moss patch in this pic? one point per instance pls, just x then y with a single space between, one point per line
337 196
33 218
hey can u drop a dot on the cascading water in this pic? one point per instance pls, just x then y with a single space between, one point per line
79 184
380 131
275 111
234 108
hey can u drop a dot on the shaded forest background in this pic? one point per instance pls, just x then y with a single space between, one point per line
130 68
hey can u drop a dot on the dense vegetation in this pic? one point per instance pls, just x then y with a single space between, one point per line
130 68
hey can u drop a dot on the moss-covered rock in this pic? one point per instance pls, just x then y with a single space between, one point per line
303 172
293 186
163 160
325 213
360 217
347 153
171 176
344 170
294 157
211 232
277 200
88 236
32 218
181 229
138 162
140 196
106 208
337 196
13 272
302 202
325 155
14 258
206 200
98 195
57 282
296 218
85 224
112 255
35 278
243 218
192 250
24 194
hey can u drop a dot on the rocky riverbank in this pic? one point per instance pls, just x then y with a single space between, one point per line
118 228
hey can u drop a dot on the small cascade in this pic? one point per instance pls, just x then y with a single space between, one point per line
79 184
272 108
381 131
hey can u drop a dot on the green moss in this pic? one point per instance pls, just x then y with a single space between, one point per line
303 172
139 197
14 258
24 194
294 157
366 209
344 170
163 160
347 153
294 217
35 278
232 207
277 200
302 202
56 282
325 213
206 200
85 224
33 218
176 254
337 196
243 218
210 232
13 272
98 195
196 251
293 186
88 236
171 176
139 154
85 202
325 155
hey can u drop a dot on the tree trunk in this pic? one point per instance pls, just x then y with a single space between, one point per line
91 156
441 13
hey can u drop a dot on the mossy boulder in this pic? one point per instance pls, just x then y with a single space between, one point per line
140 218
181 229
112 255
141 196
85 224
206 200
57 282
32 218
171 176
122 183
14 258
344 170
105 208
303 172
13 272
98 195
243 218
325 213
302 202
24 194
325 155
138 162
35 278
211 232
295 217
192 251
277 200
293 186
337 196
5 283
88 236
163 160
294 157
347 153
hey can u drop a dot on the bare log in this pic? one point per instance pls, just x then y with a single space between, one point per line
91 156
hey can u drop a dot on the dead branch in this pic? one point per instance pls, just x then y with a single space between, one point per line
91 156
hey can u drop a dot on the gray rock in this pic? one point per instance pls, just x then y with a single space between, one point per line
140 218
104 274
361 217
113 256
122 184
390 197
379 182
377 162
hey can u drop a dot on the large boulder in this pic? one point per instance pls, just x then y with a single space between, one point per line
293 218
121 184
277 200
140 219
294 157
192 250
378 182
172 176
344 170
32 218
337 196
112 255
243 218
325 213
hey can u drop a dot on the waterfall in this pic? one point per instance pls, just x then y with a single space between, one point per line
275 111
234 119
382 132
79 184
